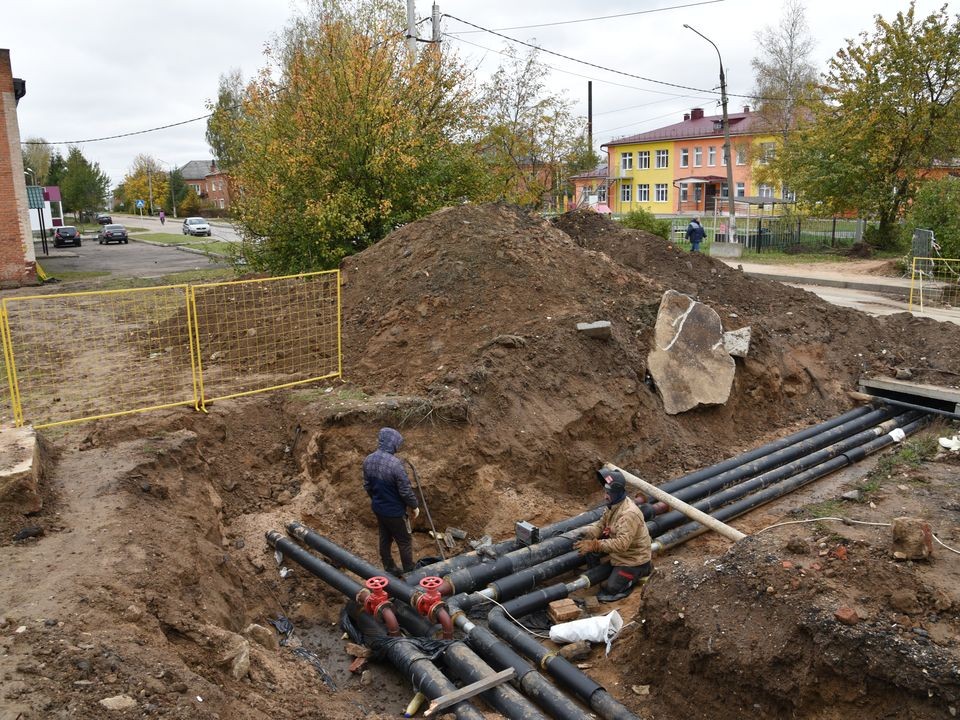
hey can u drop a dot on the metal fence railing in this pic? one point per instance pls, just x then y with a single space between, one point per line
934 282
81 356
777 233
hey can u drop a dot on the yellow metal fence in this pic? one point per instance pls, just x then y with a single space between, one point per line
81 356
934 282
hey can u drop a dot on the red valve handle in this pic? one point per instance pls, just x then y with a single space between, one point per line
431 583
377 583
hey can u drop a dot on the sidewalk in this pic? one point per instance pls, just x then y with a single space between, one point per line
805 275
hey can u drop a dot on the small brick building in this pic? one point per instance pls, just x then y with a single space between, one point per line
18 264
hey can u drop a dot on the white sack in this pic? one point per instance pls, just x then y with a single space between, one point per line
603 628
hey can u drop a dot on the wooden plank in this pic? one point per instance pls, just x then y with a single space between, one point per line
469 691
937 392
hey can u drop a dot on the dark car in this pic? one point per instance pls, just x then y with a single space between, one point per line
113 233
66 235
104 219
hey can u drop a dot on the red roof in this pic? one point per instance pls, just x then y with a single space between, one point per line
741 123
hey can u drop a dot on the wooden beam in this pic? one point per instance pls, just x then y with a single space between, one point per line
469 691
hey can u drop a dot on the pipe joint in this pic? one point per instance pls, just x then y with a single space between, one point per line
375 597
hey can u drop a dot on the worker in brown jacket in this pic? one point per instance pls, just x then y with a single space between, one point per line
619 537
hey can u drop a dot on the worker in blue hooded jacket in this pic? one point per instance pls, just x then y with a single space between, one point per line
392 499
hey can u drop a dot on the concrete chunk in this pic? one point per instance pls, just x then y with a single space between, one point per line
737 342
21 469
599 329
911 539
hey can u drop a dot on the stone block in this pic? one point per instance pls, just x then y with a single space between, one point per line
561 611
911 539
737 342
600 329
21 472
726 249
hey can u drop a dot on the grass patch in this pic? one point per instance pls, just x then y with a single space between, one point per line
195 277
164 238
217 247
827 508
68 276
911 454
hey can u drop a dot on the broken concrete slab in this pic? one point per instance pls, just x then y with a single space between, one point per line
737 342
20 469
599 329
689 363
725 249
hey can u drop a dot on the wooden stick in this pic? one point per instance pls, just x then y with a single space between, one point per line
469 691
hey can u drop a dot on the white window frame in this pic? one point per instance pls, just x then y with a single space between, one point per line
741 189
626 193
712 156
221 203
626 161
601 193
684 193
724 191
643 192
661 194
698 156
765 191
741 155
643 159
684 157
662 159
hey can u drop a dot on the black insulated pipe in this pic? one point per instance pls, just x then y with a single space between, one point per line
479 575
315 565
526 580
427 677
503 698
703 488
728 512
763 450
469 559
674 518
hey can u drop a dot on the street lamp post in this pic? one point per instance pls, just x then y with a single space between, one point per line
732 228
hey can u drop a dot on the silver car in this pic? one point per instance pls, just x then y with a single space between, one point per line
196 226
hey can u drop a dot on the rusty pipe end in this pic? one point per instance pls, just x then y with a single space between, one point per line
296 529
389 618
446 588
446 622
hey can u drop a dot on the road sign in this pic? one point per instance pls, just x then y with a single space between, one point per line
140 203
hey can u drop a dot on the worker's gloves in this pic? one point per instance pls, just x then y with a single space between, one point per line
413 513
587 546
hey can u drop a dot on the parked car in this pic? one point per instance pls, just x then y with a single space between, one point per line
104 219
66 235
196 226
113 233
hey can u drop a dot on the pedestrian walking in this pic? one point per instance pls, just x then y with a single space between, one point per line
163 217
695 234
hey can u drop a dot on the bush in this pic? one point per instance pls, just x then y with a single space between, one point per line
643 220
937 207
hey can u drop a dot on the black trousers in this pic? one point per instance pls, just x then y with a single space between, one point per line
394 530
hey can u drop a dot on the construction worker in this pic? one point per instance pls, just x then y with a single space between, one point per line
619 537
392 499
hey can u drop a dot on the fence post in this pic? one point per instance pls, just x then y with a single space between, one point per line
833 233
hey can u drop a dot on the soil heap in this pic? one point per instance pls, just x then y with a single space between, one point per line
460 329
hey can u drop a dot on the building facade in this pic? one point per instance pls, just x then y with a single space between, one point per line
681 169
211 184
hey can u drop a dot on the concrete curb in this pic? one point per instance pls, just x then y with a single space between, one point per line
896 290
181 248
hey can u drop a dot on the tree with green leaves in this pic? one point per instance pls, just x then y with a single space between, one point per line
890 111
83 185
529 134
346 137
225 118
937 207
37 155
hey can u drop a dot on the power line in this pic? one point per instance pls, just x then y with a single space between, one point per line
599 17
595 65
121 135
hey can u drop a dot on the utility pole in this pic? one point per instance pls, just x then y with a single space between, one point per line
435 18
732 227
150 188
590 115
412 28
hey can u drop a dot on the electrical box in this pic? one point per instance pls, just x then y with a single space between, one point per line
527 533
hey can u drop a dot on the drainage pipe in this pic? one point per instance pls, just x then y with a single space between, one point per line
371 598
673 519
735 462
685 532
565 672
688 510
475 558
701 489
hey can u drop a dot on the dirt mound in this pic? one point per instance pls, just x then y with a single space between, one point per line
460 329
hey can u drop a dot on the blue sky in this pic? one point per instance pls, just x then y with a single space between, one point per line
115 66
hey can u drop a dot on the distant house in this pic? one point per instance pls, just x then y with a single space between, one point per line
680 168
211 184
590 189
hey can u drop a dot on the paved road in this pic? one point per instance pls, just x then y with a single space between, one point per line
222 229
136 259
